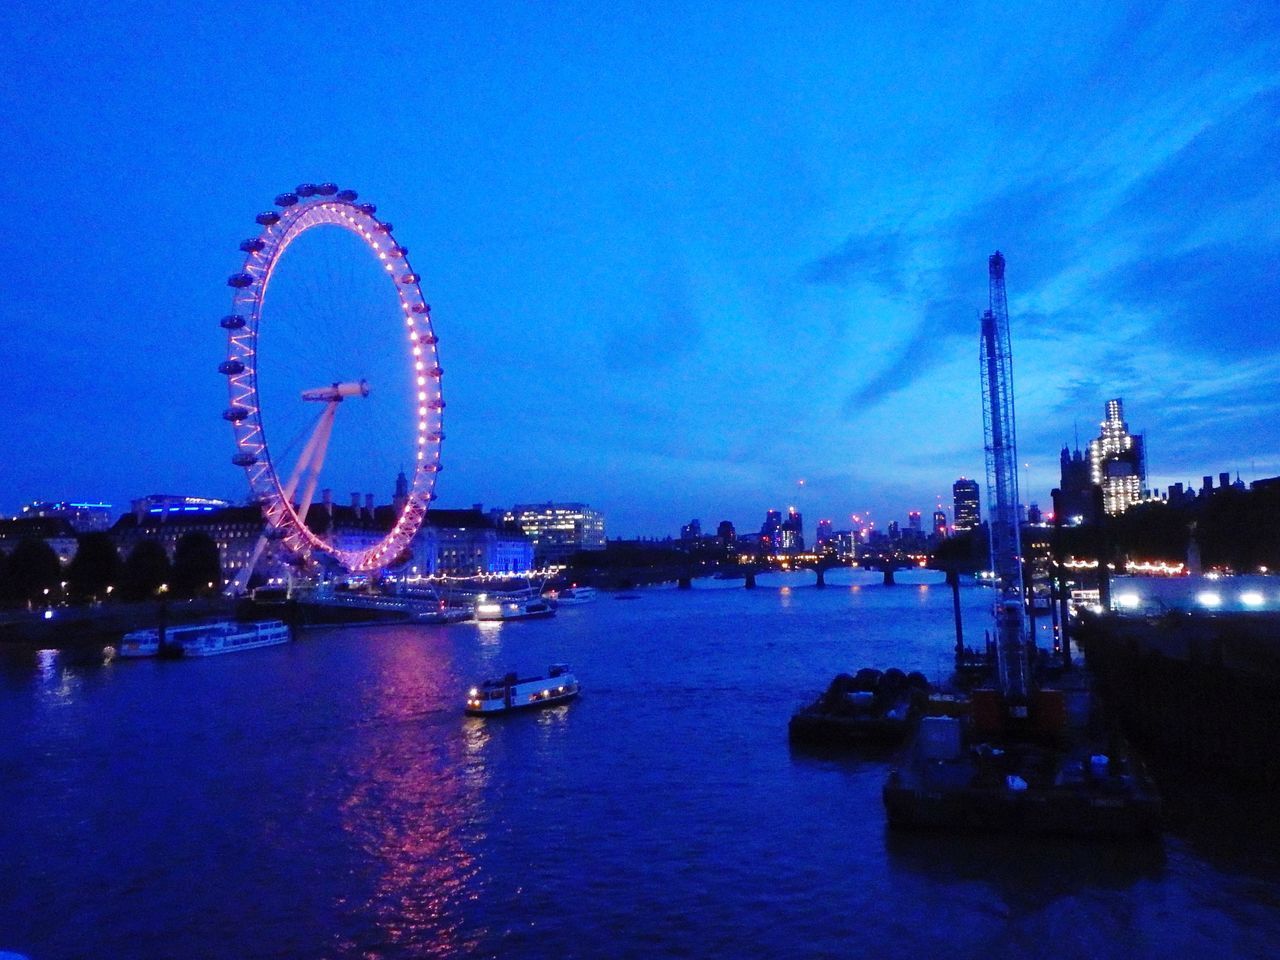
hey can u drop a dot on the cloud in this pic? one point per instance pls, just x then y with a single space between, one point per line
943 327
878 259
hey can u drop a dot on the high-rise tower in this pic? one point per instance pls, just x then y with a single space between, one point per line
966 505
1117 461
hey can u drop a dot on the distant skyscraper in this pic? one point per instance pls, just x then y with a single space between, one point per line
913 521
792 532
727 534
691 530
965 504
1117 461
822 535
772 529
939 523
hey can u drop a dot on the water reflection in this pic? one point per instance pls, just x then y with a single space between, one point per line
412 810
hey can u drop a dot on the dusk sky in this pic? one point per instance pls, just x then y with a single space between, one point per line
680 257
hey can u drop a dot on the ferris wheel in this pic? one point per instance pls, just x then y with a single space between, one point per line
285 507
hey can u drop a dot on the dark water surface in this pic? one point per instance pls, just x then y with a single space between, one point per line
328 799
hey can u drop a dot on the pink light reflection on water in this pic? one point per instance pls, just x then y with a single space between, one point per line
414 811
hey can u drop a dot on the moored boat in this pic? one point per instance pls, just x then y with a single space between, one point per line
513 608
202 639
511 692
233 637
574 595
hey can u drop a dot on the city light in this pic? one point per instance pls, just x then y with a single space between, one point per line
1127 601
1207 598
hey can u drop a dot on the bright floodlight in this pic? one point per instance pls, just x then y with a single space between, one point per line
1252 598
1128 601
1208 599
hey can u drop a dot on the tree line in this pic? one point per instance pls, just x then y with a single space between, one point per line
32 574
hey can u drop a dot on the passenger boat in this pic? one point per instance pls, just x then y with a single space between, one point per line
232 637
513 608
203 639
504 694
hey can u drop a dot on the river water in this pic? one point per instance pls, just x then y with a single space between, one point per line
328 799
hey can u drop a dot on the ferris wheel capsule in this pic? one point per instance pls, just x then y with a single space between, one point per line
268 218
252 245
348 195
232 321
231 367
286 199
240 280
305 189
327 189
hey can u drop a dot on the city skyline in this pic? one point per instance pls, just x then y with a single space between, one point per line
666 298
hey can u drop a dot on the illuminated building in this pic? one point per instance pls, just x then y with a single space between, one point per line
164 504
81 517
691 530
965 505
727 534
791 533
235 530
822 535
913 521
558 530
465 543
846 544
939 524
1117 461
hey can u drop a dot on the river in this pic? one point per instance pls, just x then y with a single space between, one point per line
328 799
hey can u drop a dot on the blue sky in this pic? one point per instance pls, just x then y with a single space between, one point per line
680 257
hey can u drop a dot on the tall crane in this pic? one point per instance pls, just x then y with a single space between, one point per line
1002 493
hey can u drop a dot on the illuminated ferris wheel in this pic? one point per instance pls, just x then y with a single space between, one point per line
285 506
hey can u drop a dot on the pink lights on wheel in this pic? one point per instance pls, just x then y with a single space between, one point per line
307 206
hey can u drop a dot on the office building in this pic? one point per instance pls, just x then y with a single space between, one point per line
558 530
965 505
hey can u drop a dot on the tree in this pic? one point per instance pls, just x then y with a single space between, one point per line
95 567
33 571
196 565
145 570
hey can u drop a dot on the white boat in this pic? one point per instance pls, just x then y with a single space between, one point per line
573 595
513 608
504 694
232 637
203 639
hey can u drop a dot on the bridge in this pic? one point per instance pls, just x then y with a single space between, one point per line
820 565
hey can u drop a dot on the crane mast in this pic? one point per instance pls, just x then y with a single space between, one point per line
1002 490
